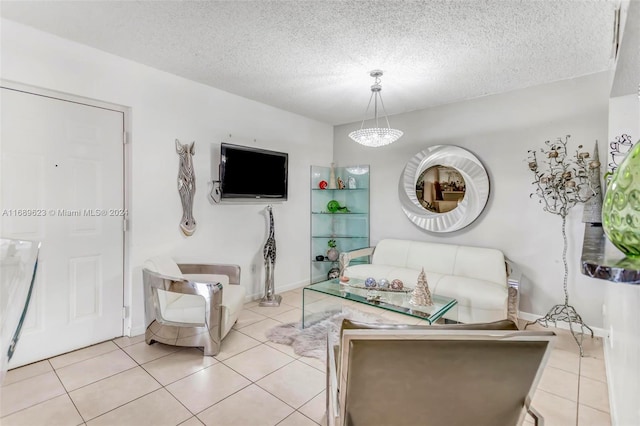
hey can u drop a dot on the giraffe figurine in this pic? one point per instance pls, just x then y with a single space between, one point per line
269 253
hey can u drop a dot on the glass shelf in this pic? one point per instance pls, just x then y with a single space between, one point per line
339 236
350 230
602 260
342 214
336 189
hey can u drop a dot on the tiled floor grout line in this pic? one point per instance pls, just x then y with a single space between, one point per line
252 382
266 390
45 400
275 396
135 399
319 393
88 384
128 369
83 360
179 402
122 405
219 401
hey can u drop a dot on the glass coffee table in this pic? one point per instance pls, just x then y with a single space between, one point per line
315 301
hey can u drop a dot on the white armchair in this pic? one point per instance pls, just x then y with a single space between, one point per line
191 304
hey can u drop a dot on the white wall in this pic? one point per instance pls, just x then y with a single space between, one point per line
499 129
165 107
622 351
622 301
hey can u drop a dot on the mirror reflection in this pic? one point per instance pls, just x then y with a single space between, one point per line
440 189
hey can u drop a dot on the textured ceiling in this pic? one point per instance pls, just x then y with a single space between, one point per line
627 79
314 57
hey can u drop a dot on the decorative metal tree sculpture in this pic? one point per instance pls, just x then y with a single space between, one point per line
186 186
561 182
270 297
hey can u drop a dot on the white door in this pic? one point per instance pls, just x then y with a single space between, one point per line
62 184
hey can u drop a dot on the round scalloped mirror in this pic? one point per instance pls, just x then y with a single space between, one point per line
444 188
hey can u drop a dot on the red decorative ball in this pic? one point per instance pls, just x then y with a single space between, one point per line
323 184
397 284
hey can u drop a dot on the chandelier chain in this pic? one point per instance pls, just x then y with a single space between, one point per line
366 111
385 113
375 136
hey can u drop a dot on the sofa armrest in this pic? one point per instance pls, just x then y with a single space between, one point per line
514 278
210 292
347 256
232 271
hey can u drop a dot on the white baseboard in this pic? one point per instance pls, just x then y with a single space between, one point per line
279 289
137 330
597 331
612 391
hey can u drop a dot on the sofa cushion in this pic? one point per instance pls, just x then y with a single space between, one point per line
164 265
447 259
478 300
476 277
208 278
182 308
232 304
432 257
190 308
391 252
481 263
232 298
477 294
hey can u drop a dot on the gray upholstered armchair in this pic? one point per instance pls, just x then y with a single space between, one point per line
469 374
190 304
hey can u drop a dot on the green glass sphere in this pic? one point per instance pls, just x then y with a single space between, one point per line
621 207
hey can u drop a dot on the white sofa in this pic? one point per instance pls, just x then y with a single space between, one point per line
480 279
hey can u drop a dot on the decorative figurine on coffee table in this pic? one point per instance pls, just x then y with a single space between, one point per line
421 295
396 284
270 297
370 282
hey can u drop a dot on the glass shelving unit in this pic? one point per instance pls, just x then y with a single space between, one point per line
349 228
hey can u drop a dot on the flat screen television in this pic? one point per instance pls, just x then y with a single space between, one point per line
250 173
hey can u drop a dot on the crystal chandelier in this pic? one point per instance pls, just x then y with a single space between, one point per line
376 136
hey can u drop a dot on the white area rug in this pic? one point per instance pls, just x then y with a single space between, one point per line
312 341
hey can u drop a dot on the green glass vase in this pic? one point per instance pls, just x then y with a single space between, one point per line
621 207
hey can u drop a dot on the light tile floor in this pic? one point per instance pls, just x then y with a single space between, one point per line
250 382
